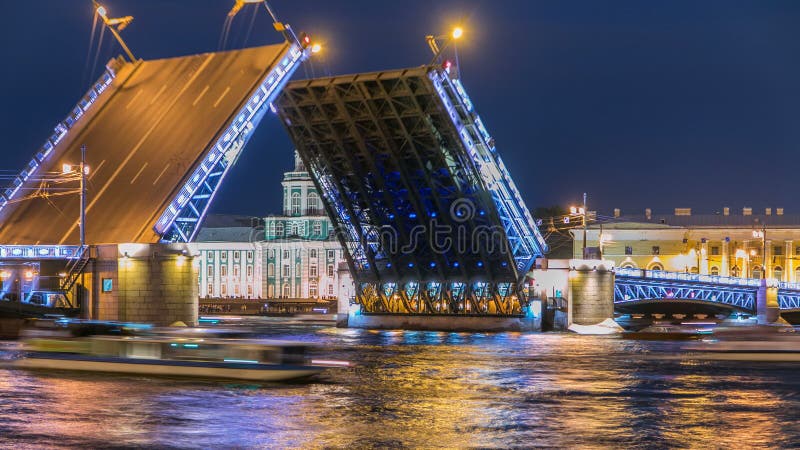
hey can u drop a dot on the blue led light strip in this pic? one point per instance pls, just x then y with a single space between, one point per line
61 130
180 220
524 238
39 251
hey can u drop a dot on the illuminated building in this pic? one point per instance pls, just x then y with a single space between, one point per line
292 255
711 244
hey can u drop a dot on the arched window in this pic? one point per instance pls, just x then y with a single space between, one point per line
655 266
797 274
313 204
296 204
287 292
694 270
756 273
714 270
627 265
736 271
279 229
777 273
271 269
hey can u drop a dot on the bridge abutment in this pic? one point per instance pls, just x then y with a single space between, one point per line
150 283
591 291
767 309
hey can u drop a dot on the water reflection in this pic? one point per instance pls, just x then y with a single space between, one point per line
423 389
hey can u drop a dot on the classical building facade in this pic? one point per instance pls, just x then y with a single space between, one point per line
738 245
294 255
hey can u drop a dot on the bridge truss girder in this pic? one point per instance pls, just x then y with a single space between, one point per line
443 299
632 290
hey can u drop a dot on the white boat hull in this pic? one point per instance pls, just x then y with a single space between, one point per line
262 373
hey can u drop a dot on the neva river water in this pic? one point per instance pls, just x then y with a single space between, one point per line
423 390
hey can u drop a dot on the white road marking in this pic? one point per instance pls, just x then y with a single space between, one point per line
138 93
160 91
133 180
93 172
161 174
222 96
139 144
194 103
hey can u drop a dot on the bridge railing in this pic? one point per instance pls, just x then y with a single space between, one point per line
691 277
60 131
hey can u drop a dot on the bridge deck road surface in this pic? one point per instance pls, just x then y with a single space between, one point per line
141 148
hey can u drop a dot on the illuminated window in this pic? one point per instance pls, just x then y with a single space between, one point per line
210 256
223 290
313 203
210 271
714 270
250 256
656 250
756 272
312 253
735 271
237 255
330 289
715 251
296 204
287 290
694 269
777 273
210 290
655 266
236 290
223 271
330 270
270 270
317 228
286 270
628 250
223 256
236 271
331 254
249 290
286 254
312 270
279 229
249 271
312 289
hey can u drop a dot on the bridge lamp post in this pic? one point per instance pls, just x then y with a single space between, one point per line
83 171
456 34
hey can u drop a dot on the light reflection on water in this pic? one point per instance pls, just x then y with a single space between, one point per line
423 389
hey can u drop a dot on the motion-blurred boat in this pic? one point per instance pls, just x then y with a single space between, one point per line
765 343
668 332
140 349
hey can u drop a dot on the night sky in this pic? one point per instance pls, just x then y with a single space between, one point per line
639 103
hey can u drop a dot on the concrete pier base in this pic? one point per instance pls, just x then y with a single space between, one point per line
591 292
443 323
767 309
149 283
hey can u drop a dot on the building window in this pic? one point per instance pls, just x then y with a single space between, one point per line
270 270
330 270
656 250
313 204
694 270
236 290
249 271
312 270
317 229
286 254
756 272
249 256
777 273
655 266
210 256
249 291
210 290
312 253
714 270
210 271
236 271
777 250
279 229
272 253
237 255
312 290
223 271
628 250
223 290
330 289
297 269
285 270
735 271
223 256
331 254
296 204
715 251
286 290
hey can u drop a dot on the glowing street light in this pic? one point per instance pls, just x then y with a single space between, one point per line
431 39
457 32
316 48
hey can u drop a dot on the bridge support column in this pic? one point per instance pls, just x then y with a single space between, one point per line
591 291
767 310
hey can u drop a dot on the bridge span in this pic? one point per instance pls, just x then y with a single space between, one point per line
160 137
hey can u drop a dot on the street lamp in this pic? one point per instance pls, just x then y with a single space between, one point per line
115 26
83 171
456 34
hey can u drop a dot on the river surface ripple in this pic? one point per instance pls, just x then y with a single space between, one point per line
423 390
